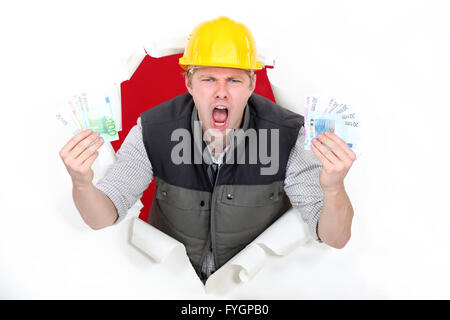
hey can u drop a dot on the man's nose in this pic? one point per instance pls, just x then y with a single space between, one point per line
221 90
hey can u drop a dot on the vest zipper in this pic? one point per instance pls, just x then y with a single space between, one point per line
212 229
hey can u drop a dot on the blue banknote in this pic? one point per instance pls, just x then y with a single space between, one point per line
326 114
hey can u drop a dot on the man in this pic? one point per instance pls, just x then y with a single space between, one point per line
217 205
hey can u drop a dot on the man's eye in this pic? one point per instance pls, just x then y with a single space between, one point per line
235 81
207 80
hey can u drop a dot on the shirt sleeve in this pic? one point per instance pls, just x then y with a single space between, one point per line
302 184
126 180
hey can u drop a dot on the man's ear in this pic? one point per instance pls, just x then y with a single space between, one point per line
254 84
188 86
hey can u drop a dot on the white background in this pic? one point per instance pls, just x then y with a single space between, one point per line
388 59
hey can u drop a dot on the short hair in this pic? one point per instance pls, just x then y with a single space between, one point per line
191 70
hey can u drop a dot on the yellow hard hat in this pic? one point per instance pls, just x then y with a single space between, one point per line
221 42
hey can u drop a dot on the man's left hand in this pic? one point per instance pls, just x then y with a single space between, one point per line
336 158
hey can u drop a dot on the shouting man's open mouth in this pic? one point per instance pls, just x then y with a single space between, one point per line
219 117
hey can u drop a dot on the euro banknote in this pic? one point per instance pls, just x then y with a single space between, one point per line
327 114
89 111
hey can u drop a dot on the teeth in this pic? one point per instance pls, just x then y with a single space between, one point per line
221 107
219 123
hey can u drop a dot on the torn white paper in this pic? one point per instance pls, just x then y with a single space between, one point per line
156 244
283 236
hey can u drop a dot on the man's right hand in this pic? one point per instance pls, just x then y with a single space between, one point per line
78 156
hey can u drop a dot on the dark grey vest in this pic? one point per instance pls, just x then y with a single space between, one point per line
241 204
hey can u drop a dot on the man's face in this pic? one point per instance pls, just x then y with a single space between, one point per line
220 95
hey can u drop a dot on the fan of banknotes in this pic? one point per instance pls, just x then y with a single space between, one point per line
327 114
91 111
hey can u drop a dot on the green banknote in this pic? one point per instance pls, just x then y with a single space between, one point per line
90 111
100 119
